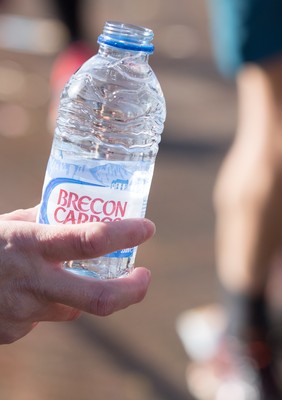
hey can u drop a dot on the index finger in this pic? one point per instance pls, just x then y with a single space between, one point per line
83 241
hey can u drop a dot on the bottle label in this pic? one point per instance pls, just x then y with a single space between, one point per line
94 191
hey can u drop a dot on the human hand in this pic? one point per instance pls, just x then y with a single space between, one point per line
33 285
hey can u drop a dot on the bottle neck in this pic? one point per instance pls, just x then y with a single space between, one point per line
109 51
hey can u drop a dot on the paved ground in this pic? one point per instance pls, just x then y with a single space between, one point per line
135 354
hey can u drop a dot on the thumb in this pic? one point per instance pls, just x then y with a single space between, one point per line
99 297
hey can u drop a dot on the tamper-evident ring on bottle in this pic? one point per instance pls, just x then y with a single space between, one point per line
127 37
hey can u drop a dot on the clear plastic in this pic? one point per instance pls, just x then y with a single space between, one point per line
109 125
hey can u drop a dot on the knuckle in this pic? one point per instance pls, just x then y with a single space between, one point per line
92 245
102 304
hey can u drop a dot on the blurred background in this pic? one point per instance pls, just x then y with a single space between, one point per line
135 354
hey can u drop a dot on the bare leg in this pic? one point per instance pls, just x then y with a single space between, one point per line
248 204
248 192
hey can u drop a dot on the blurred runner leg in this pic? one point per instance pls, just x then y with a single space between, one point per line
247 38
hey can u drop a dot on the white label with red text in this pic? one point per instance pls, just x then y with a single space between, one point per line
94 191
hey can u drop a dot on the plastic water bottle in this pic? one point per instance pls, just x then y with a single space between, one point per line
110 120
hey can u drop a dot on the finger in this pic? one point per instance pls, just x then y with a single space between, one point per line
99 297
28 215
59 243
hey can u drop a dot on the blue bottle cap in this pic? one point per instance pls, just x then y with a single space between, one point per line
127 37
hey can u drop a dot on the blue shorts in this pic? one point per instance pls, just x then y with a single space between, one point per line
245 31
